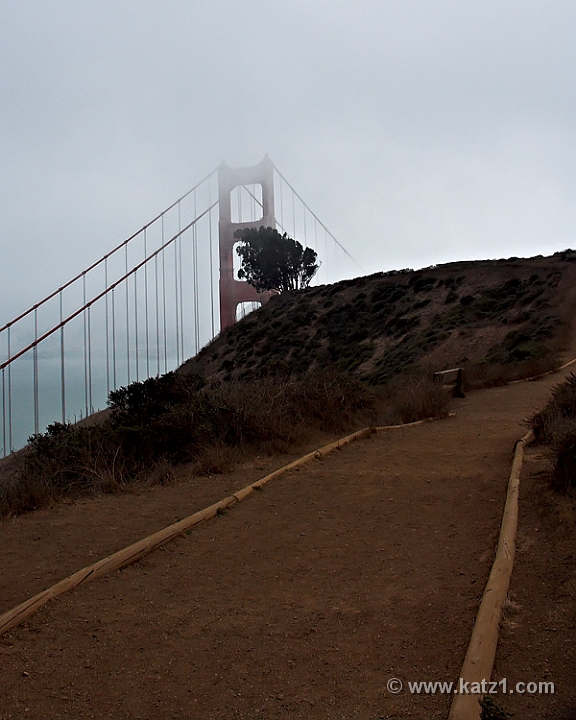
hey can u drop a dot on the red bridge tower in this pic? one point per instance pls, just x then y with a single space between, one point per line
233 291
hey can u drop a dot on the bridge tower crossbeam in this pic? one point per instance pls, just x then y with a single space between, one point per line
233 291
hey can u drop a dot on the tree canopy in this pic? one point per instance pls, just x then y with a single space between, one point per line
271 261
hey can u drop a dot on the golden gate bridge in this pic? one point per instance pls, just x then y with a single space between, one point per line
151 302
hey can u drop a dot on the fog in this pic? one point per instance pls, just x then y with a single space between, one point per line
418 132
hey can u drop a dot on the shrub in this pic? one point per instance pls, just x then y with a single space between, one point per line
491 710
422 284
558 413
564 475
489 374
409 399
555 425
175 419
142 402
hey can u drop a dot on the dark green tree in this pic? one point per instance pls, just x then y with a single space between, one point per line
271 261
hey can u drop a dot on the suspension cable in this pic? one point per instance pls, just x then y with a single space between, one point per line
100 295
102 259
318 220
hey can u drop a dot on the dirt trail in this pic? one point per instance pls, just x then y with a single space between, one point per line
299 603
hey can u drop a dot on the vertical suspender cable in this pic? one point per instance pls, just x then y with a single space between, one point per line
333 247
181 280
281 203
164 327
195 280
176 293
136 325
85 345
211 258
183 326
113 304
326 275
35 364
89 328
107 327
62 365
10 441
146 319
316 236
127 315
157 300
4 453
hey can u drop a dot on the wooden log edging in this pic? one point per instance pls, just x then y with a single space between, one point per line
117 560
140 549
479 659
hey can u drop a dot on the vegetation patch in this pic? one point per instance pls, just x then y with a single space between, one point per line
505 314
178 419
327 358
555 426
174 419
491 710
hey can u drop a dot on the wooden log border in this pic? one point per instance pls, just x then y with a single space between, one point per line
481 651
479 659
140 549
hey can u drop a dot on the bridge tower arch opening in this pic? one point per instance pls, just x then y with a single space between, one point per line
234 291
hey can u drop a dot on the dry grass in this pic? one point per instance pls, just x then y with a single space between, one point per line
555 426
164 422
156 426
408 399
488 374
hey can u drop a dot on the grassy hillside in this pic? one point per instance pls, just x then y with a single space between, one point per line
499 313
320 360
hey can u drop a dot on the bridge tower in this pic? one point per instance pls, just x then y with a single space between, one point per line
233 291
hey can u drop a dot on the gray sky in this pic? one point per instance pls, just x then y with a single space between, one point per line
420 132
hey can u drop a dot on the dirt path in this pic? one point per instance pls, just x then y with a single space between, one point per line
300 603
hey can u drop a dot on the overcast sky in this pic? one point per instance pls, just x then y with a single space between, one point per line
419 131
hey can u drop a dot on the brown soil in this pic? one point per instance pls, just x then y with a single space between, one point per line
303 601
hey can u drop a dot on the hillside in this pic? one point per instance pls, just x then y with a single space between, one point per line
304 363
475 314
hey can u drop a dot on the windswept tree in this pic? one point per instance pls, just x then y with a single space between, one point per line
271 261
